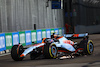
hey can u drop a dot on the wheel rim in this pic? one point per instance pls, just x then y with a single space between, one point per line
53 50
90 47
21 50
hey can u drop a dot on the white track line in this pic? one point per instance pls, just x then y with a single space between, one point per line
4 54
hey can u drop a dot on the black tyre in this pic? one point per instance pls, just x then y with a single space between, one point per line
88 46
16 52
50 50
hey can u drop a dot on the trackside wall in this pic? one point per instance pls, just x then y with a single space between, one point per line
89 29
18 15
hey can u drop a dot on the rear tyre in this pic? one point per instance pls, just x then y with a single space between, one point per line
16 52
89 47
50 50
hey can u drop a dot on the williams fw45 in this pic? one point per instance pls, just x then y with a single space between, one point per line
55 47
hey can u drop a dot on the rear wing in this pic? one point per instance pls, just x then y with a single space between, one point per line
72 36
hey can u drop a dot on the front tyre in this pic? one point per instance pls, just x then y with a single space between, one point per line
50 50
16 51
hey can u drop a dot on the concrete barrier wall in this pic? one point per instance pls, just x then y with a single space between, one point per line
89 29
18 15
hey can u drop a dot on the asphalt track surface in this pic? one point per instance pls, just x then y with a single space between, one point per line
81 61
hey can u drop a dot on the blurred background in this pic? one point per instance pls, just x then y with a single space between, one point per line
83 15
76 16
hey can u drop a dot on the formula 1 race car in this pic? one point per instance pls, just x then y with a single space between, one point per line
53 48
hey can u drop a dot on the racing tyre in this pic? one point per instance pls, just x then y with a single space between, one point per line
50 50
88 46
16 52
